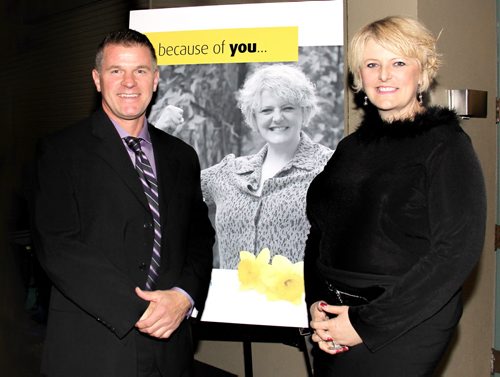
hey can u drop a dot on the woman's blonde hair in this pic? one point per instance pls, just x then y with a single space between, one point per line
401 35
285 81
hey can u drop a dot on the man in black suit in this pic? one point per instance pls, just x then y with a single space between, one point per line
95 227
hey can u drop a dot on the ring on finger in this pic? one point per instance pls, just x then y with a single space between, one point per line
334 346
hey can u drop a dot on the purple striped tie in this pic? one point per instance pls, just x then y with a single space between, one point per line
150 186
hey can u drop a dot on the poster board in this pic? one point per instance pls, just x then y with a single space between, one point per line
204 53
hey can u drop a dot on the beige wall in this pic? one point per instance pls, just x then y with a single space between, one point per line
468 45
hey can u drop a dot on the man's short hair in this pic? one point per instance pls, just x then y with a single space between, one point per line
126 37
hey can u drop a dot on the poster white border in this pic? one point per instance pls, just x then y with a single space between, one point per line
320 23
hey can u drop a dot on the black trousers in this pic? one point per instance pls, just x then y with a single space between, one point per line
146 362
415 354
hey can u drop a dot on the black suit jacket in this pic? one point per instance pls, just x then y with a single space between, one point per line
95 234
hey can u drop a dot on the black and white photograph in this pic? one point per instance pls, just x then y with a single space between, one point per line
201 104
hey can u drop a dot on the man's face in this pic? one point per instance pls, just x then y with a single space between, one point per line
127 80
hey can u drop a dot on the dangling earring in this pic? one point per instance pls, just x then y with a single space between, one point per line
420 98
365 103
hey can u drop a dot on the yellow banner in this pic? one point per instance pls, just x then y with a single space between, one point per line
273 44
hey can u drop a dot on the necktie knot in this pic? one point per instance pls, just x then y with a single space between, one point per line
134 143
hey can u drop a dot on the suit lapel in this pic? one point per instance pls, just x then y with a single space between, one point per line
111 149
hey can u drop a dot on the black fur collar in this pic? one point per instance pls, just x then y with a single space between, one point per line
373 126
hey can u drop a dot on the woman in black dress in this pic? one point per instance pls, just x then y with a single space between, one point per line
397 217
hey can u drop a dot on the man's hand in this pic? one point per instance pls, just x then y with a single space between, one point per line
166 310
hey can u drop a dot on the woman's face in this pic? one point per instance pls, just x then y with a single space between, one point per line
278 121
390 81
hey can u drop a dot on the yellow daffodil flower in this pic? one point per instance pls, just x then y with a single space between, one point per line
280 280
284 280
251 268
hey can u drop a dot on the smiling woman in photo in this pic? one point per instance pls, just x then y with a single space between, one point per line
259 200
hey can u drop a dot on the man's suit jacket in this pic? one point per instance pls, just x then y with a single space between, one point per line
95 231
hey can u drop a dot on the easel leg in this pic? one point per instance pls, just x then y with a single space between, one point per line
247 358
306 350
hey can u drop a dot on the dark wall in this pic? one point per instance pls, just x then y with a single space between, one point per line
48 49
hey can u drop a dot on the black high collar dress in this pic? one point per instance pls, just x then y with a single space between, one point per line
400 207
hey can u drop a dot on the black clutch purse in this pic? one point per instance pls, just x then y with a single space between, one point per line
341 294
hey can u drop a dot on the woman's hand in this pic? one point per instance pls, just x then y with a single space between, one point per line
332 328
170 118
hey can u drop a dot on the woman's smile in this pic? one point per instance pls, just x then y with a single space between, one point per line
278 121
